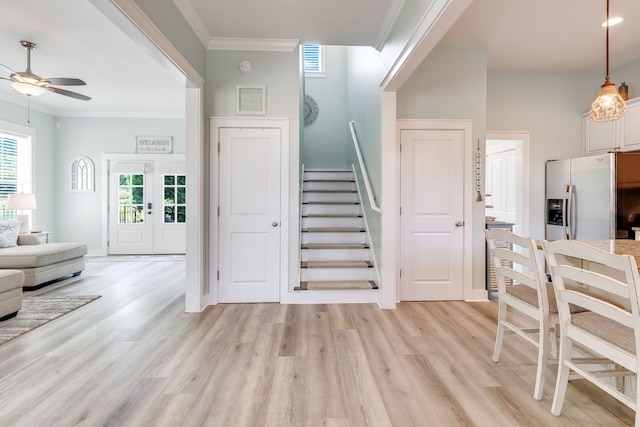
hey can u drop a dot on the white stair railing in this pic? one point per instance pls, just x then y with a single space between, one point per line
365 176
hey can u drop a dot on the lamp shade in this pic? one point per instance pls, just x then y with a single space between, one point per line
22 202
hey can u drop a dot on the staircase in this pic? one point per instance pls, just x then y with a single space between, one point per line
335 252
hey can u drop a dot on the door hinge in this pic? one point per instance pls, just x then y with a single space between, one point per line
401 274
218 275
400 210
108 243
218 211
218 147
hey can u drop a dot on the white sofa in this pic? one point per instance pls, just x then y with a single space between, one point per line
10 293
42 263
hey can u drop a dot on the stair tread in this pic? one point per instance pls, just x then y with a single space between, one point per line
334 246
328 215
330 191
336 264
331 203
333 230
336 285
328 180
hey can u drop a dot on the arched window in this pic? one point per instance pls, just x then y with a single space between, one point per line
82 174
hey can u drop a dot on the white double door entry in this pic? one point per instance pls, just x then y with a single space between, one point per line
147 205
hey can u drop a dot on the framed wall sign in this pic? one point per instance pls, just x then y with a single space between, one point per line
251 99
154 144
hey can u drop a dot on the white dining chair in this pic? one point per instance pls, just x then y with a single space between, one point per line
522 286
605 285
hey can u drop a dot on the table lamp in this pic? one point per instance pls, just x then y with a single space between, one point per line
23 202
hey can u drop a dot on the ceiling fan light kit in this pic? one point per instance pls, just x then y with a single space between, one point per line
609 105
30 84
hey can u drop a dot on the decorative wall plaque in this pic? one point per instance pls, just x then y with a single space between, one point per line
311 110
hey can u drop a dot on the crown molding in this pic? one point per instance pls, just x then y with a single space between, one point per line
273 45
192 17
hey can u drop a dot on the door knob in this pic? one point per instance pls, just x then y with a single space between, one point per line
274 224
459 223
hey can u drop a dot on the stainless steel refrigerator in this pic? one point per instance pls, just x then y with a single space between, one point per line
593 197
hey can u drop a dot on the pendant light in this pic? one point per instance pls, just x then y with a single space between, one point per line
609 105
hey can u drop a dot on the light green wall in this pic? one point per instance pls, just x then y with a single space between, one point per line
280 73
79 214
166 16
405 24
324 143
451 83
364 108
44 166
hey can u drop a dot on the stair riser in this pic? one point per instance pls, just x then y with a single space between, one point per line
330 197
335 254
331 209
340 274
332 223
333 176
333 237
334 186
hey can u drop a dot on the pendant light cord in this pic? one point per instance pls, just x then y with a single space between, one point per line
607 41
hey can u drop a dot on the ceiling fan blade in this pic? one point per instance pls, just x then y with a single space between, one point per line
67 93
9 70
66 82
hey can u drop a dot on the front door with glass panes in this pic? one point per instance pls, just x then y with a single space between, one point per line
147 207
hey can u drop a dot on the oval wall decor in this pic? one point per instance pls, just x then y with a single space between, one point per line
311 110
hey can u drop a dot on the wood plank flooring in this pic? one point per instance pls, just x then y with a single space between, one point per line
134 358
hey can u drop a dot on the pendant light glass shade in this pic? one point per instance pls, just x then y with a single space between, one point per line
609 105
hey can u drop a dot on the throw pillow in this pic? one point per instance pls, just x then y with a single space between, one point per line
9 233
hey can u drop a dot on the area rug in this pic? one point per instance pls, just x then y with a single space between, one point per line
38 310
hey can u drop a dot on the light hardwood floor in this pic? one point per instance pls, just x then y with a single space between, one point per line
133 358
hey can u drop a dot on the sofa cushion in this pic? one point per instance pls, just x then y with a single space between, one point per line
9 233
10 280
30 256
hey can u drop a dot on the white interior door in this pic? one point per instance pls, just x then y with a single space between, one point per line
147 207
130 227
432 218
249 203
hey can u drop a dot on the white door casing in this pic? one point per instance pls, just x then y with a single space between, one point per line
250 215
432 238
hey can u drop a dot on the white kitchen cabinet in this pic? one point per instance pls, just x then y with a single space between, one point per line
629 127
618 135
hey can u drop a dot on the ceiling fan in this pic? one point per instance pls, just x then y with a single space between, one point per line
31 84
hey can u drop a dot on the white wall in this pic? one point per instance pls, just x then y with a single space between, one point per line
78 215
324 143
549 106
451 83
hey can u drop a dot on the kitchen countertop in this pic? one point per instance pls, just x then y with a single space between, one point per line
620 247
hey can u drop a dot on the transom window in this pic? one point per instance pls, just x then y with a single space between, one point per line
174 203
313 59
